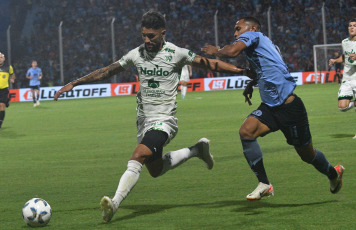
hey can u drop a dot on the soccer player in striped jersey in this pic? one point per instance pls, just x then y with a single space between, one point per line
347 90
280 109
6 74
159 64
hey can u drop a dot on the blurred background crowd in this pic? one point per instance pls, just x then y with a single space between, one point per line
296 27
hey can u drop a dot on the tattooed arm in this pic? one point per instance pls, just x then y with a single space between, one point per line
97 75
215 65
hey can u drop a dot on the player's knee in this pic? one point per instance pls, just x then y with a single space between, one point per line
154 173
246 133
154 168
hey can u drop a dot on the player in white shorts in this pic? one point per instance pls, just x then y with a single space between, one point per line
159 64
347 90
184 79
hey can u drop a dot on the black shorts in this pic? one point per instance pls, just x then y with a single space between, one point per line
33 87
4 96
291 119
154 140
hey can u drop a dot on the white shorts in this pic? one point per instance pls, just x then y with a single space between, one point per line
347 90
167 124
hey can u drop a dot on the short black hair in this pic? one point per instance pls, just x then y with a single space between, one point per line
253 20
352 20
153 20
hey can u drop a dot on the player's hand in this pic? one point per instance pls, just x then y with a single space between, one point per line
248 92
249 73
331 62
12 80
210 50
66 88
352 56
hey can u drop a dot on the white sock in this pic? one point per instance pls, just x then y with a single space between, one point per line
127 182
183 90
176 158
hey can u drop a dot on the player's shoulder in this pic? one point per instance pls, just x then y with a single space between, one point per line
173 49
169 47
347 40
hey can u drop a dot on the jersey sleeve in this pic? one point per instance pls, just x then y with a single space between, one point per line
28 72
185 56
11 70
249 38
128 59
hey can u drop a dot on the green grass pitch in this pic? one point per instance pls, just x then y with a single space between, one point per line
73 152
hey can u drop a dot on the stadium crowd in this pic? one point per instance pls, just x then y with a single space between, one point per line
296 27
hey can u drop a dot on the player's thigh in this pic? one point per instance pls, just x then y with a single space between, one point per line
253 128
154 140
259 123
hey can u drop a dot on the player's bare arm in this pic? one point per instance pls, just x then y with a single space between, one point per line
228 51
215 65
340 59
97 75
12 78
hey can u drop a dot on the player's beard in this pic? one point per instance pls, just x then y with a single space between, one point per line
153 47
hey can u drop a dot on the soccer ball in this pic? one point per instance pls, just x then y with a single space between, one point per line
36 212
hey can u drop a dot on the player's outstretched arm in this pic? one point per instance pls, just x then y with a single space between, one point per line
215 65
97 75
228 51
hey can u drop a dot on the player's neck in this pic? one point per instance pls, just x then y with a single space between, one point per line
352 38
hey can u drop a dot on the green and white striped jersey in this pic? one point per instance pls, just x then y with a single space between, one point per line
158 76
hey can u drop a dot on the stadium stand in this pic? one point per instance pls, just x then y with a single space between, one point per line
296 27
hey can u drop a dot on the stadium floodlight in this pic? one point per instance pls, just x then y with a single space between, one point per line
322 55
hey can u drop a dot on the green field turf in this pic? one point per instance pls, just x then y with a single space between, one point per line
73 152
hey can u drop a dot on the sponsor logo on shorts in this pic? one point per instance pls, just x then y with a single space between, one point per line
257 113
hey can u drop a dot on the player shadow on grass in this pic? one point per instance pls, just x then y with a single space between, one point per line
253 207
342 135
244 206
8 133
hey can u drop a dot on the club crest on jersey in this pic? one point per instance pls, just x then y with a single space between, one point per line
169 58
154 72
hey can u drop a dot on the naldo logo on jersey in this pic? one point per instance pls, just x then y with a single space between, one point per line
155 71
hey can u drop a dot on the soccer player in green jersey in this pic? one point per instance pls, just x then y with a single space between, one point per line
159 64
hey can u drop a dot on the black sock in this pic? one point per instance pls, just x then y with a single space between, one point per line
2 117
34 100
260 172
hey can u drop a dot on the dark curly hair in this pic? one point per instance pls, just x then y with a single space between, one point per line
153 20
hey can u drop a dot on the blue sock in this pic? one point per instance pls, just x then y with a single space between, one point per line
253 155
323 165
